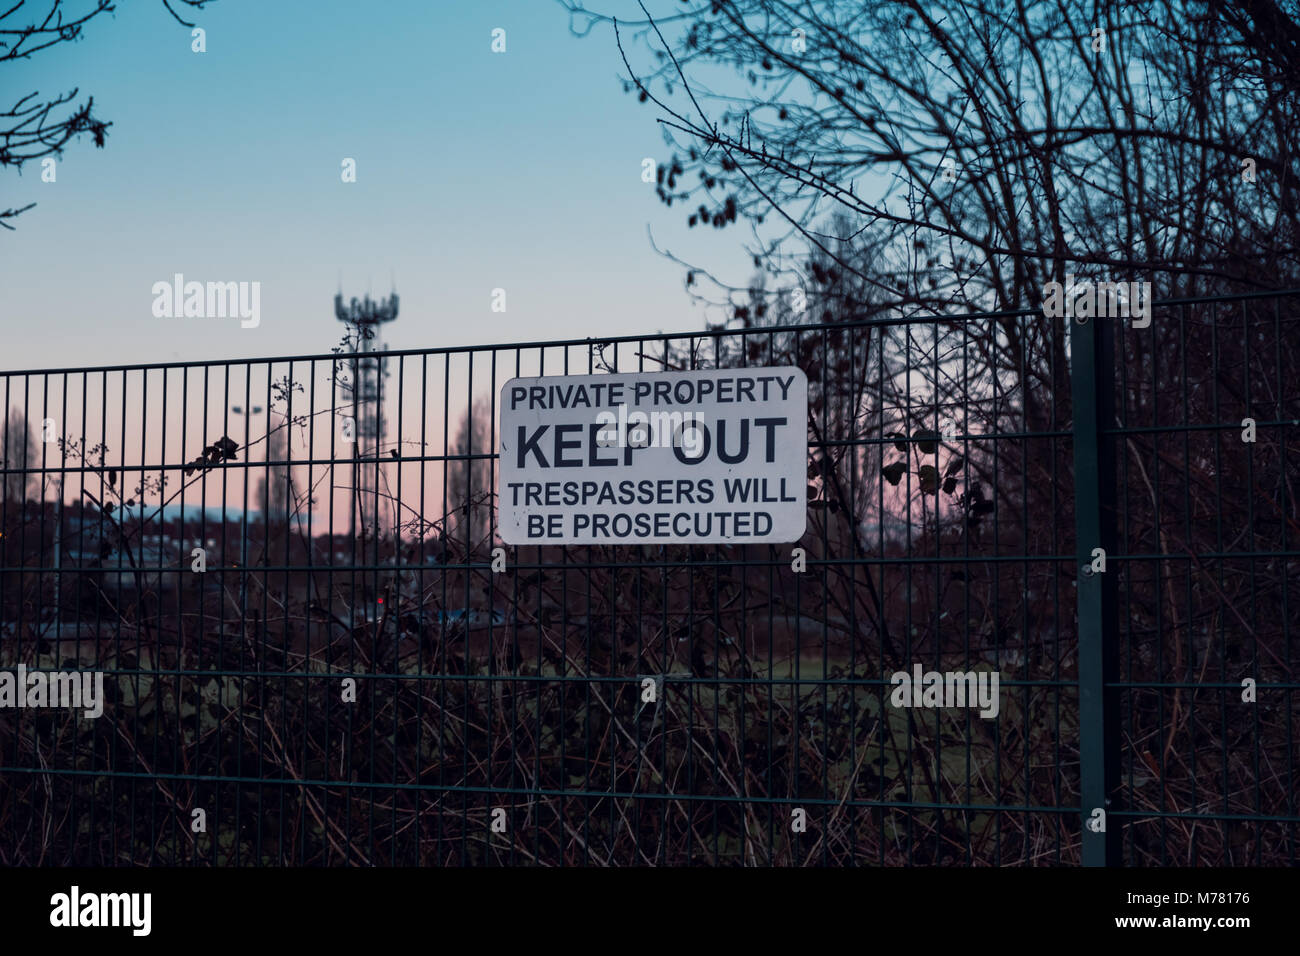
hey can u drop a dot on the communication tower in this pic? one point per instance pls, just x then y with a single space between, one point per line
364 389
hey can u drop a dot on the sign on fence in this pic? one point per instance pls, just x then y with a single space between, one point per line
645 457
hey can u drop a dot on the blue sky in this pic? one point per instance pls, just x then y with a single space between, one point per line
475 171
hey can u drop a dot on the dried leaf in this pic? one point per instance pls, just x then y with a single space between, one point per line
928 476
927 441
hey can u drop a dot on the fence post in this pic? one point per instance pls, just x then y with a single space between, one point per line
1092 369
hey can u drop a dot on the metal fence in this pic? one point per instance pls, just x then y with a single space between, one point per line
293 675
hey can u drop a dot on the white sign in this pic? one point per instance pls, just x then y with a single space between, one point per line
655 457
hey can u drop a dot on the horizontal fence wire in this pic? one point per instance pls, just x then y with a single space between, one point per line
316 650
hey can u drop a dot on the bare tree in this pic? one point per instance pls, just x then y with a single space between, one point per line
276 493
931 162
19 456
470 489
36 126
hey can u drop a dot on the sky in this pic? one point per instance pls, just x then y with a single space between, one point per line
475 171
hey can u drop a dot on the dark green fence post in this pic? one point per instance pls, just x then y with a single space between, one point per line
1092 369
